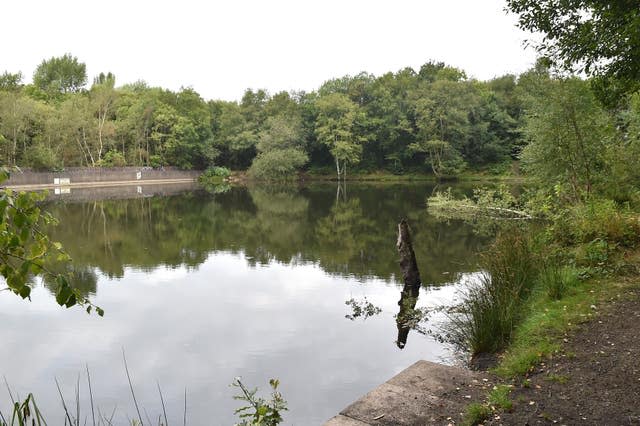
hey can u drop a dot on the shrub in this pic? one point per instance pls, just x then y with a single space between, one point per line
597 219
113 159
491 308
218 171
555 280
41 157
476 414
278 164
156 161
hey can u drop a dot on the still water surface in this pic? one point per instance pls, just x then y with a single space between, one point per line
199 288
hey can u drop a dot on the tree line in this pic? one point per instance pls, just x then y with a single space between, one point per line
434 120
393 122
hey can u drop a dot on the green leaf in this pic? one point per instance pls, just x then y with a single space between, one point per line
24 291
71 301
63 295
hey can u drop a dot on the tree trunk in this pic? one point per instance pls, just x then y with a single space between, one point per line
408 264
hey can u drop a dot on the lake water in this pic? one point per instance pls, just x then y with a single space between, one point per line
199 288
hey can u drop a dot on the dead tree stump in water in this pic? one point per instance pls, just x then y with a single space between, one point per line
408 264
412 282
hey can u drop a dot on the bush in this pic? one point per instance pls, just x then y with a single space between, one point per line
555 280
156 161
217 171
41 157
113 159
597 219
492 308
213 177
278 164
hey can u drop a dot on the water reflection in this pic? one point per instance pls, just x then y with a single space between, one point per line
201 287
351 236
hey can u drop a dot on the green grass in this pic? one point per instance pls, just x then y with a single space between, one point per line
557 378
540 334
499 398
475 414
490 311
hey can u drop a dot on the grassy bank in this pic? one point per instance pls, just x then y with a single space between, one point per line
386 176
588 258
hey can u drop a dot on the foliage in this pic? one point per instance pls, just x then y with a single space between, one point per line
280 150
476 414
42 158
113 159
555 280
216 171
597 219
492 307
335 128
25 250
360 122
443 159
260 412
568 136
361 308
601 38
60 75
278 164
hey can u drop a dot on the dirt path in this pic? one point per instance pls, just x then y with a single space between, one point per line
595 380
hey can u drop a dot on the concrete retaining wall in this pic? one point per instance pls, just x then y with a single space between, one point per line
87 174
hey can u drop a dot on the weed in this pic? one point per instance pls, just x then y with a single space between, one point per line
499 397
476 413
556 280
491 309
557 378
260 412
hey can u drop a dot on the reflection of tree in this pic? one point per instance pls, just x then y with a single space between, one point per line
344 236
279 226
407 303
355 236
83 279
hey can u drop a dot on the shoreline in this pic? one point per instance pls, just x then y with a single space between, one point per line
36 187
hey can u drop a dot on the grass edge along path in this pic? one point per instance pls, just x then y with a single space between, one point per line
543 334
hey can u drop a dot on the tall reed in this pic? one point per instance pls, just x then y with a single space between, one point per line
493 306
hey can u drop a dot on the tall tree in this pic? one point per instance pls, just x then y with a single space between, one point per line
599 37
102 99
10 81
335 128
568 134
64 74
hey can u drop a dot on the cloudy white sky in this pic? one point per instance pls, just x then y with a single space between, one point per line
222 47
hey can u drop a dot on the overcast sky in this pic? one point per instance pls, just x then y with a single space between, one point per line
220 48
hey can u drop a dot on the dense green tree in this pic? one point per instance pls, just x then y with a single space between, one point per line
335 128
568 134
62 74
10 81
601 38
53 124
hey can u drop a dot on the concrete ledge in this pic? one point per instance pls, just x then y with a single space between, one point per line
426 393
35 187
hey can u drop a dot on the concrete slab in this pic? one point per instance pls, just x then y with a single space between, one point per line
422 394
